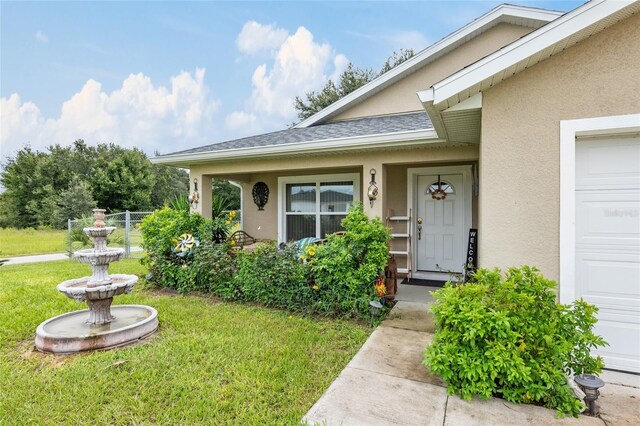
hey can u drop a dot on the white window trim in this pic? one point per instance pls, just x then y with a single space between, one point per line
569 130
328 178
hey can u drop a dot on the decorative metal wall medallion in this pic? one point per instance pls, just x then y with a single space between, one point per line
260 194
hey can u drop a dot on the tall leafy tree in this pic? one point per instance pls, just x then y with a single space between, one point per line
350 79
168 183
229 193
122 179
40 186
74 203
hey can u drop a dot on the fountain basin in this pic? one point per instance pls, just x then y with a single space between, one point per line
78 289
69 333
93 257
99 232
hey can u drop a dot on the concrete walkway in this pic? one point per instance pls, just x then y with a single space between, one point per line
36 258
386 384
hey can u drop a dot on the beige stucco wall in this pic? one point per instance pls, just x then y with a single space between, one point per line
401 96
264 224
519 154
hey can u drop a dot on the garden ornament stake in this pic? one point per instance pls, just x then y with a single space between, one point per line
373 189
590 384
375 307
194 198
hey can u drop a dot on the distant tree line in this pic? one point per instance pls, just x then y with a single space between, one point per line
47 188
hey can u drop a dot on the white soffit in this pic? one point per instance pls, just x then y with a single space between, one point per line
573 27
518 15
462 121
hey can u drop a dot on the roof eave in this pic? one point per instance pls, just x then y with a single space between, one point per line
399 140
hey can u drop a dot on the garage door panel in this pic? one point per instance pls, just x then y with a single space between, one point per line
607 218
607 250
624 341
610 276
608 163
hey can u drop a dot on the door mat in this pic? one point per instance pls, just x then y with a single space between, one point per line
424 283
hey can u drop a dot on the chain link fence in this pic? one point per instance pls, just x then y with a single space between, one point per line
126 235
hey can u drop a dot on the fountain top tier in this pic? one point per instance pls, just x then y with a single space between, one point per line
99 285
100 256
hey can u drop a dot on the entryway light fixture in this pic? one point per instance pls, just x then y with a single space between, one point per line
375 307
373 189
194 198
590 384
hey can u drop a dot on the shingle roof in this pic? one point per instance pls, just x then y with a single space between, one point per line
342 129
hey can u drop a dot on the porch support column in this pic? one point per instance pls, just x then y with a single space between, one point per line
204 189
377 208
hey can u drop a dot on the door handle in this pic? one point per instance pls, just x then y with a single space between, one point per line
419 228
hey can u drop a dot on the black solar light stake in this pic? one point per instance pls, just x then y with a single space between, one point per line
375 307
590 384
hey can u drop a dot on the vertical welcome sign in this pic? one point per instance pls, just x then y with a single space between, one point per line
471 260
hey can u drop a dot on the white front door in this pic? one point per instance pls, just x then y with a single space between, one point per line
607 246
440 223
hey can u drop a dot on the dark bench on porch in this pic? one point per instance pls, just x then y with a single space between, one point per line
240 240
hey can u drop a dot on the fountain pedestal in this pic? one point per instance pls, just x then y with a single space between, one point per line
101 326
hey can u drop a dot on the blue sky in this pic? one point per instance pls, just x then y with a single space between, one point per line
172 75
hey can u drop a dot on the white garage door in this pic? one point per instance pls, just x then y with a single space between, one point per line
608 242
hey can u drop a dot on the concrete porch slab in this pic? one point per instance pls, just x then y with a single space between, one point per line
414 293
396 352
410 316
620 405
359 397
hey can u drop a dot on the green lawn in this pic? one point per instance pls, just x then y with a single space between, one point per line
211 362
23 242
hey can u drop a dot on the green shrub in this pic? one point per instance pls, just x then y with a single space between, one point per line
159 235
346 267
160 229
507 337
337 280
272 277
215 268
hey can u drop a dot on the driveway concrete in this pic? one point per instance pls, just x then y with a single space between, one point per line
387 384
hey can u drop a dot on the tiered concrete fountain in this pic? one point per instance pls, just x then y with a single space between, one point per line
101 326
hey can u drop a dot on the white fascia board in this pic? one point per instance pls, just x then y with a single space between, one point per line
399 139
489 19
538 40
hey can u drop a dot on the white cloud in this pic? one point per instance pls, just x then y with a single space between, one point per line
255 38
41 37
300 65
240 120
340 62
136 115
